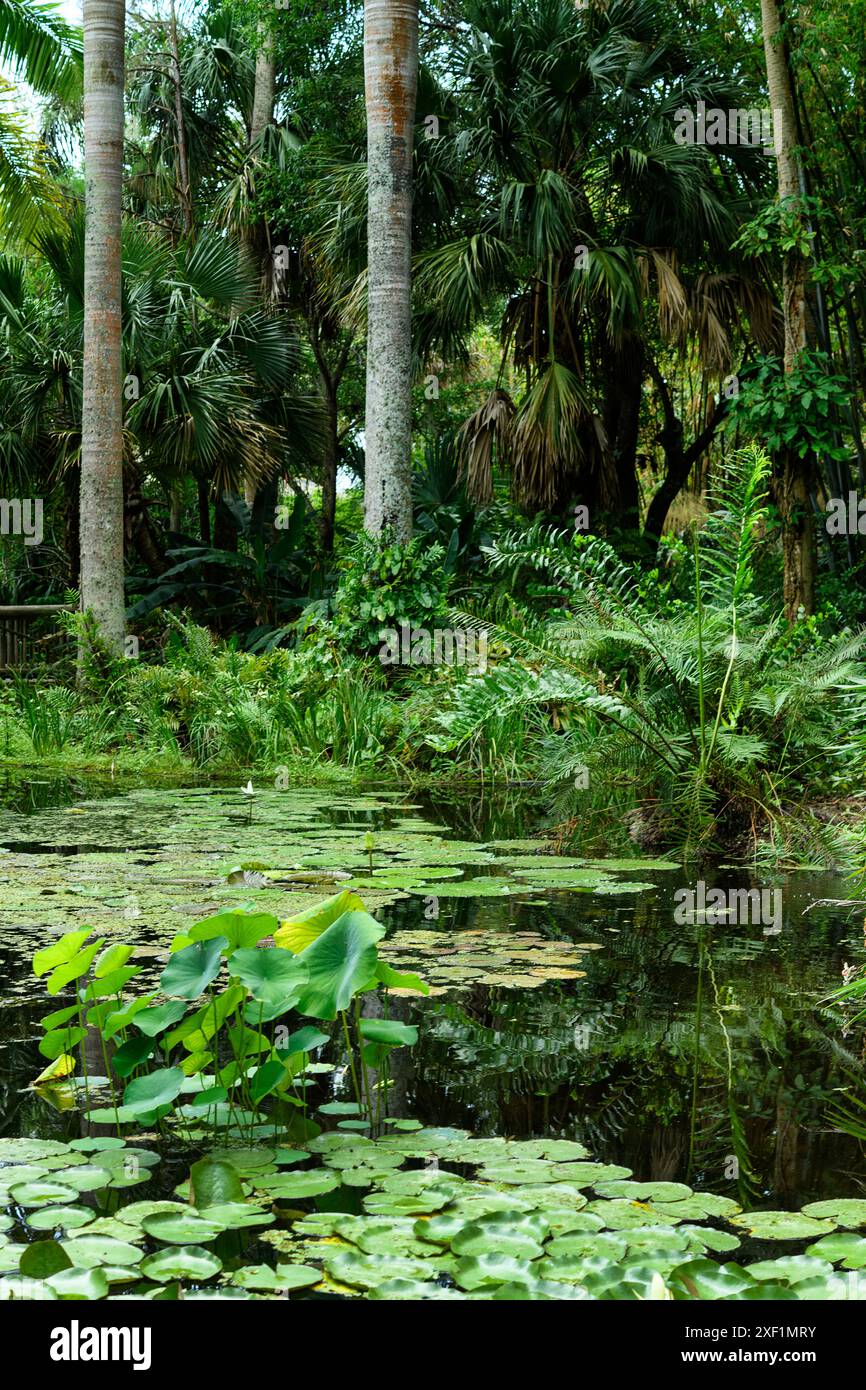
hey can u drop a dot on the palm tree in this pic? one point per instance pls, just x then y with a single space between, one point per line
793 481
38 46
102 403
606 238
390 84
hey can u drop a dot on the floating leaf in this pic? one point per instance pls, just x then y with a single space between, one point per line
181 1262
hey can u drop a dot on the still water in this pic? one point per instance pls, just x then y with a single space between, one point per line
684 1049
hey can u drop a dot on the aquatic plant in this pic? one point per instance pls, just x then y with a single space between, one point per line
195 1053
538 1219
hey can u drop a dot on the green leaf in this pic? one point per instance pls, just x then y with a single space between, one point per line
151 1092
53 1044
266 1079
185 1262
154 1021
180 1227
215 1182
43 1258
303 1040
73 969
61 952
341 961
112 958
238 928
396 979
83 1285
274 978
131 1054
297 933
191 970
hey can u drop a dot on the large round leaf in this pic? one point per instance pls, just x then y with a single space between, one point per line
340 962
283 1277
190 970
83 1285
86 1251
275 979
782 1225
298 932
183 1262
215 1181
151 1092
180 1228
237 927
388 1031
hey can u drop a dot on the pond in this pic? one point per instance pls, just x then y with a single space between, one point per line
580 996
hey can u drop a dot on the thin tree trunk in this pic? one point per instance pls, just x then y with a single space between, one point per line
254 232
330 455
184 190
390 85
793 474
203 511
101 520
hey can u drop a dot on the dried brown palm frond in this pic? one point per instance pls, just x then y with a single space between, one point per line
490 425
713 310
673 300
764 316
524 323
547 444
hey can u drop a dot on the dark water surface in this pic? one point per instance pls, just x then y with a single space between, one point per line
688 1050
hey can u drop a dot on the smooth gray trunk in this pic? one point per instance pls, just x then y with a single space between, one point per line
102 412
390 81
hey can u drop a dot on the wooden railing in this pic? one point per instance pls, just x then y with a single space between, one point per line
16 644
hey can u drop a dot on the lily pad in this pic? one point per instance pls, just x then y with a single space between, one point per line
181 1262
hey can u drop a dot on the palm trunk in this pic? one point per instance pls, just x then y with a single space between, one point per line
265 87
264 95
184 190
793 474
390 82
102 412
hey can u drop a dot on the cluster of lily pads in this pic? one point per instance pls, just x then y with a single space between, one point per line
404 1219
519 960
144 858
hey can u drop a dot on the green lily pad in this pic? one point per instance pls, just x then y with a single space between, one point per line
42 1193
89 1251
782 1225
481 1271
518 1233
181 1262
845 1211
366 1271
285 1276
791 1268
56 1218
79 1284
303 1183
183 1227
845 1246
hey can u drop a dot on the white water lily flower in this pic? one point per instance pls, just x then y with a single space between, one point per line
248 790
